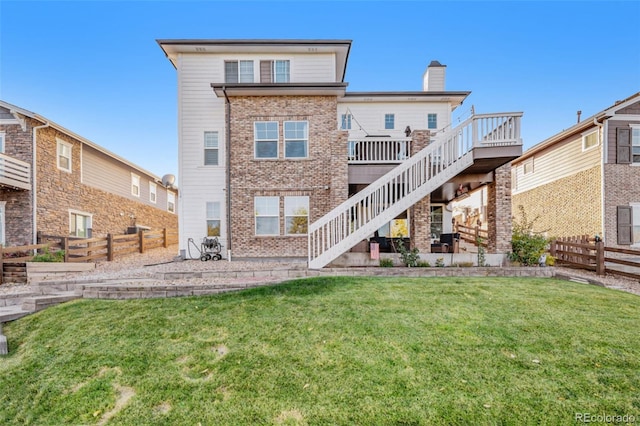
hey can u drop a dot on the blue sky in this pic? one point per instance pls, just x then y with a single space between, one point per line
95 68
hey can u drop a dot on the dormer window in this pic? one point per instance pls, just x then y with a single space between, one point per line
238 72
274 72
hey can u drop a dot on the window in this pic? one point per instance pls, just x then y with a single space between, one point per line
210 148
79 224
389 121
267 211
296 136
432 121
589 140
135 185
171 202
153 192
213 219
437 221
238 71
2 141
64 156
266 139
274 72
635 221
2 222
345 122
635 145
296 215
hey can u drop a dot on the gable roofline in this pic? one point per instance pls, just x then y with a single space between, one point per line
172 47
578 128
44 120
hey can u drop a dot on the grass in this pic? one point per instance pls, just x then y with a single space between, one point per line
375 351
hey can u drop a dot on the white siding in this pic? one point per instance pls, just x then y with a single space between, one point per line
370 116
564 159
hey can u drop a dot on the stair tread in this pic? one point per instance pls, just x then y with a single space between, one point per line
13 312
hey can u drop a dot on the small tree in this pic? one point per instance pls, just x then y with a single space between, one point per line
409 257
526 245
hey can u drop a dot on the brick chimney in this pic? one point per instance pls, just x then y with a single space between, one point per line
433 78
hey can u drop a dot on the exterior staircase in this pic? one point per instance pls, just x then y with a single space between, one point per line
447 156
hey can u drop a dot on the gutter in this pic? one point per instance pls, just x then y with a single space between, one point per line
34 191
227 105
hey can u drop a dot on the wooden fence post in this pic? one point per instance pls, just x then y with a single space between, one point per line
600 267
109 247
65 247
141 240
165 235
552 248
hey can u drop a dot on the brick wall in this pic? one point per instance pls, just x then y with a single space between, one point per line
566 207
322 176
622 186
499 217
420 213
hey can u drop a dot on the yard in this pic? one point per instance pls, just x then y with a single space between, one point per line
331 351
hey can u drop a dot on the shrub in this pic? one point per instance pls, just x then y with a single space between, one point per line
482 260
46 256
440 262
386 263
526 245
409 257
424 264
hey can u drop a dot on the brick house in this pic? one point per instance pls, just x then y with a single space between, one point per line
277 158
59 183
585 180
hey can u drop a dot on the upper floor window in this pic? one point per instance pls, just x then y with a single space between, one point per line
171 202
274 71
296 137
389 121
635 144
432 121
153 192
589 140
238 71
64 156
266 139
213 219
210 148
267 213
345 122
135 185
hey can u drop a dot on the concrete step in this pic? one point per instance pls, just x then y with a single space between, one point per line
15 298
11 313
38 303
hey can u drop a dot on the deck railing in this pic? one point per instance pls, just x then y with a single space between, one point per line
14 173
379 150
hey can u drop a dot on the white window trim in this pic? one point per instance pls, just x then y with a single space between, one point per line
60 142
81 213
584 140
436 115
3 141
255 141
153 191
633 127
206 148
3 222
170 195
286 216
527 162
635 244
384 121
208 218
135 177
284 137
255 224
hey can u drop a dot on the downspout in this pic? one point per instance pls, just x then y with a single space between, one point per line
34 192
227 105
603 158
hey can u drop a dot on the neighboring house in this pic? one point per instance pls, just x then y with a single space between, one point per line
585 180
277 158
59 183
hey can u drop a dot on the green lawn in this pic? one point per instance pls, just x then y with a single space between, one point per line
366 351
